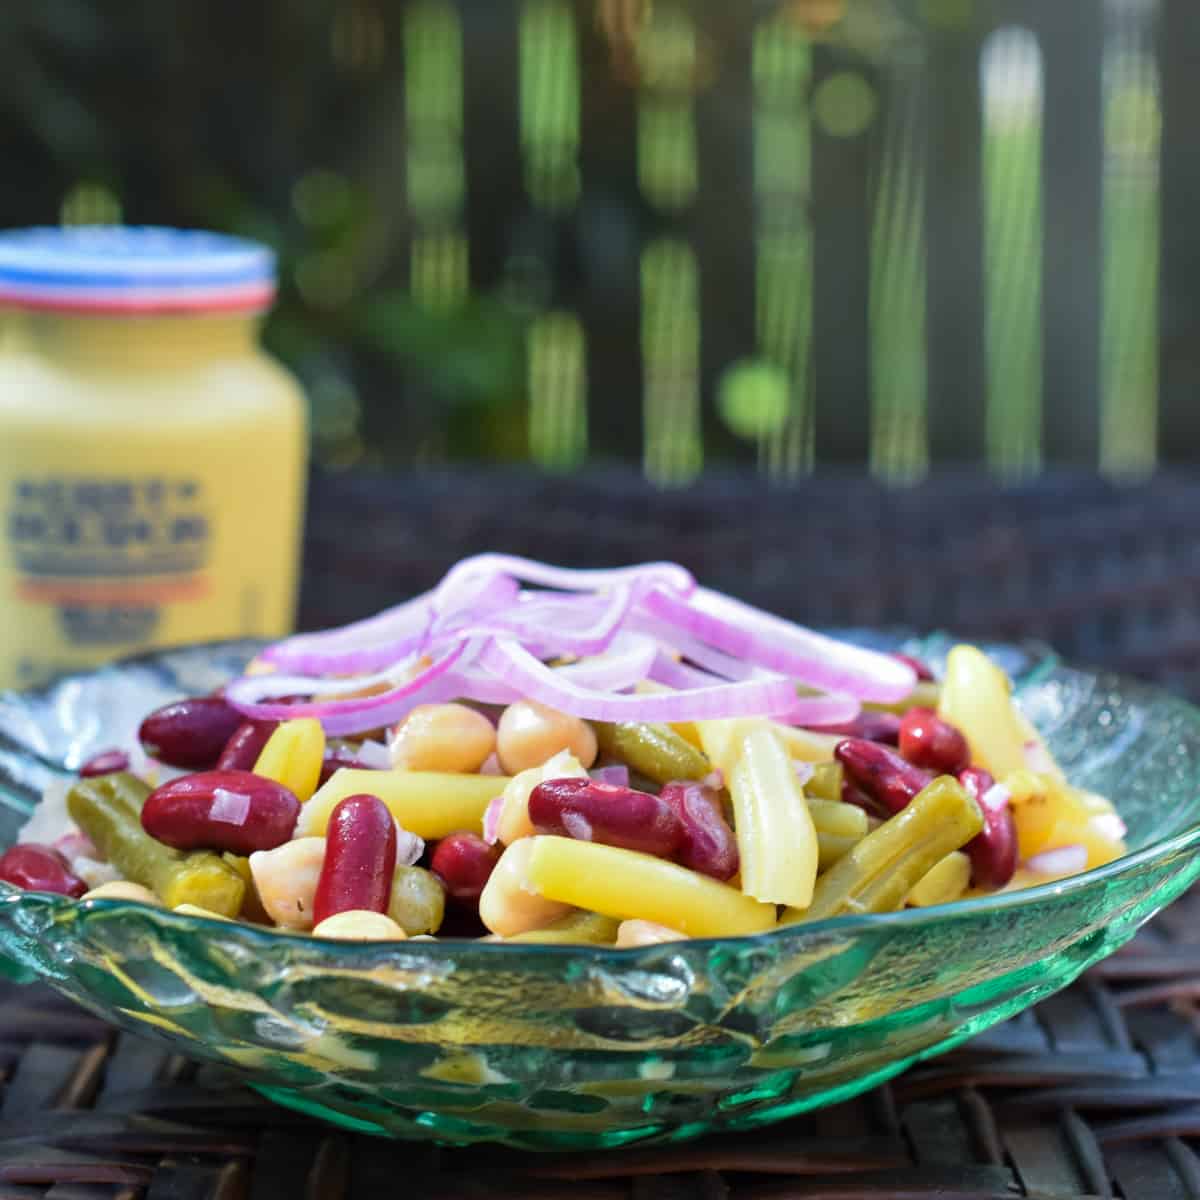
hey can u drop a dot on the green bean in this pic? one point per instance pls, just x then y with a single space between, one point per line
656 751
924 695
841 820
878 873
579 927
826 782
107 809
831 848
417 902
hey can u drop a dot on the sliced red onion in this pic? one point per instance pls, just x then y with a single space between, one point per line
487 639
516 665
394 626
804 770
617 775
755 636
1063 860
627 662
569 579
361 713
667 671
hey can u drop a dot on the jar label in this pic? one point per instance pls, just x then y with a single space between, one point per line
108 552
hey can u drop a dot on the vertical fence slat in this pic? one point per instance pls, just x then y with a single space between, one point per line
1072 39
1131 233
954 229
610 227
1179 49
845 103
899 371
722 222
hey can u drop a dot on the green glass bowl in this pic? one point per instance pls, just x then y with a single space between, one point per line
550 1047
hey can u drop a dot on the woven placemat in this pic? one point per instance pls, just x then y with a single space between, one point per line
1094 1093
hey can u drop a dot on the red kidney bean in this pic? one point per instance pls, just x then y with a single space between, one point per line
243 748
853 794
707 844
993 852
924 674
38 868
881 772
928 741
221 810
603 812
870 726
360 858
464 863
107 762
190 733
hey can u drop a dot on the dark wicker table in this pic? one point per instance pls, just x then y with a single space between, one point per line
1095 1093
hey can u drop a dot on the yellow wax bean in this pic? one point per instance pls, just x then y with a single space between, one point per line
777 841
722 741
977 699
1048 817
941 884
427 803
629 885
293 756
1037 754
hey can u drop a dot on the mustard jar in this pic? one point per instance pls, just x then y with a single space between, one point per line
152 455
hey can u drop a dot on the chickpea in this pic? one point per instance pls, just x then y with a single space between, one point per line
514 820
194 910
646 933
360 925
530 733
507 905
286 880
443 737
122 889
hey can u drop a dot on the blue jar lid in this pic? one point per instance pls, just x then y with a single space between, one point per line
133 270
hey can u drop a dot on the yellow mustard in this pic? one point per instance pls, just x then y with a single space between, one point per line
152 456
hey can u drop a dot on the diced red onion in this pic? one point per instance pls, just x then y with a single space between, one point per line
617 775
1063 860
229 807
374 755
1109 825
409 847
995 798
491 820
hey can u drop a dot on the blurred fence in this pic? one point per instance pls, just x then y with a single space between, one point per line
872 231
